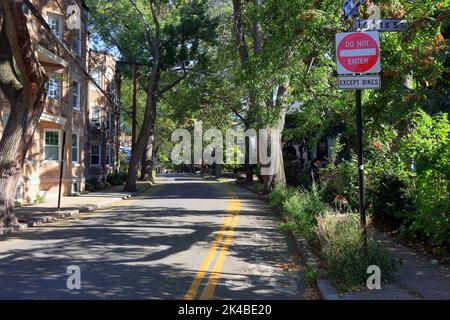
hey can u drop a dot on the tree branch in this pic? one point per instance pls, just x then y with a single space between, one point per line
148 34
239 30
23 47
173 84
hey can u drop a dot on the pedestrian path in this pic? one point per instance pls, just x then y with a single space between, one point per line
36 214
419 276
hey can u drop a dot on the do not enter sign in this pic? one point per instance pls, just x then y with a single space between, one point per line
358 52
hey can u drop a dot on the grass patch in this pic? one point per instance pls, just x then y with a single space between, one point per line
337 238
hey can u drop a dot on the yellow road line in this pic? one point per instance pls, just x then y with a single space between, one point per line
208 292
233 211
190 295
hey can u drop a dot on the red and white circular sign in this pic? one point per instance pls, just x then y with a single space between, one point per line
358 52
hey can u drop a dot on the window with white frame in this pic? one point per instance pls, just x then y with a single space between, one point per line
97 76
95 117
53 88
76 95
55 24
95 154
75 148
108 154
51 145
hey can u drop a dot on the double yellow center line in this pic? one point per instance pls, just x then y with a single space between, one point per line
226 232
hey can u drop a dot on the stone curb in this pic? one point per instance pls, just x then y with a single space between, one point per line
38 221
325 287
13 228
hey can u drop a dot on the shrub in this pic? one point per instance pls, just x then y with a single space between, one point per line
429 147
341 248
310 274
279 194
389 196
341 179
39 199
93 185
303 209
117 178
89 186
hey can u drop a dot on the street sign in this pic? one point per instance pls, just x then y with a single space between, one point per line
384 25
358 52
350 7
359 82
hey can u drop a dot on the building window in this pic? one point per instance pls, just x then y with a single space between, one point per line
95 117
109 87
76 95
97 76
109 120
55 24
75 148
77 42
51 146
108 154
5 119
95 155
53 88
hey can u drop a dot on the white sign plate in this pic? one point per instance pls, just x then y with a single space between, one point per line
385 25
359 82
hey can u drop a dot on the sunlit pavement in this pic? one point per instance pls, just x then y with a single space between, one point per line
186 238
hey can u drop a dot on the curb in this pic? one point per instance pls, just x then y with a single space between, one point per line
325 287
38 221
13 228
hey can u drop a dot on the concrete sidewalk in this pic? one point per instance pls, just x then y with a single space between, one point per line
419 276
36 214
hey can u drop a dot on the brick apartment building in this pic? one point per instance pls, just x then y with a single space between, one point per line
103 115
66 109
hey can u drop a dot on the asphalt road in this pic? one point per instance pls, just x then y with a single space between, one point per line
186 238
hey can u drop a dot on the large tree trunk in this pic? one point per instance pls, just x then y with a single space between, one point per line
26 97
279 176
151 102
244 54
142 140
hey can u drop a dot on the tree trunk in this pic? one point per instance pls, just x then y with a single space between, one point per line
26 97
133 106
248 165
244 54
142 141
151 102
279 176
147 160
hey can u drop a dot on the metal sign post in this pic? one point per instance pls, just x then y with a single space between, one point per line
61 171
361 178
